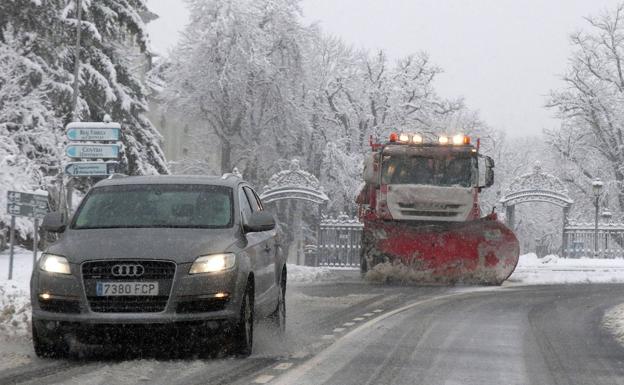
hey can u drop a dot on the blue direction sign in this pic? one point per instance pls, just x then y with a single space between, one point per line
93 151
90 168
93 131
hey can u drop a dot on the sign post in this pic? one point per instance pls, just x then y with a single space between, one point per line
30 205
35 242
12 247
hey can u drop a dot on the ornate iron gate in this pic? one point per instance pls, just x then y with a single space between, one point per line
339 242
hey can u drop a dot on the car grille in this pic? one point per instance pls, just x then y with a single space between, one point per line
128 304
158 271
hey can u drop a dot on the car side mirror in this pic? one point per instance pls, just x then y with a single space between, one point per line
54 222
259 221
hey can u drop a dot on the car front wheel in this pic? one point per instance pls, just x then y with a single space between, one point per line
243 335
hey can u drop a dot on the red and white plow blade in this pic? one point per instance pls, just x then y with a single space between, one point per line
482 251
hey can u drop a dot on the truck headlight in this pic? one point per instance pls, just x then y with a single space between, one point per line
54 264
213 263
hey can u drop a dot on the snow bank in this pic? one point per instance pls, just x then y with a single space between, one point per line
613 321
14 294
298 273
554 270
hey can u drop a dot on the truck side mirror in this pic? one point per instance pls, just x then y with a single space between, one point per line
489 171
54 222
369 175
486 172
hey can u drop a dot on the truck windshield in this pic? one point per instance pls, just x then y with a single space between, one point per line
453 171
132 206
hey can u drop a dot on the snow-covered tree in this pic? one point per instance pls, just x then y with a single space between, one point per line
590 141
37 54
238 69
29 129
108 80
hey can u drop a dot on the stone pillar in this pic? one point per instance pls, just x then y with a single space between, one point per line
295 252
564 236
510 212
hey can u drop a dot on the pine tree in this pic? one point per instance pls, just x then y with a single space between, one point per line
29 130
37 51
111 30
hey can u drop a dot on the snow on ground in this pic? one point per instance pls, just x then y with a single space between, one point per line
613 321
14 294
298 273
554 270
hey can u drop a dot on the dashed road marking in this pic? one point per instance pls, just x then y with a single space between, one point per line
358 319
367 315
348 324
263 379
328 337
339 330
283 366
377 311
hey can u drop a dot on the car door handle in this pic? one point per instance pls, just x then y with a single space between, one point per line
267 248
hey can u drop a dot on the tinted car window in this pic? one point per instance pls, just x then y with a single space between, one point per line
195 206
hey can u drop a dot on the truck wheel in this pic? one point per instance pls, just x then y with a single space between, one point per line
278 317
56 348
363 266
243 333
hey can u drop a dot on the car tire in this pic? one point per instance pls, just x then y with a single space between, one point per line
278 317
58 348
243 333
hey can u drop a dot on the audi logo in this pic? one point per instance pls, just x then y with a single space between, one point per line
127 270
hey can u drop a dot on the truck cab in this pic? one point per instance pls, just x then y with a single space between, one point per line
410 180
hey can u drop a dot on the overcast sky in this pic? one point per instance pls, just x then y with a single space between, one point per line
502 56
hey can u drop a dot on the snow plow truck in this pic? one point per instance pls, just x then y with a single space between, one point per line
421 213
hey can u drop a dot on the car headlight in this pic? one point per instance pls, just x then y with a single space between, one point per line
213 263
54 264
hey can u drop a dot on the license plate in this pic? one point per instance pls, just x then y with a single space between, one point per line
115 289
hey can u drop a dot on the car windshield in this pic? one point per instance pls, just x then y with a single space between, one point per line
455 171
131 206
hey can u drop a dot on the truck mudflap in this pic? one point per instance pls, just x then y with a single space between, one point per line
482 251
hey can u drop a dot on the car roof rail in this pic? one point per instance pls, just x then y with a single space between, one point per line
235 173
117 176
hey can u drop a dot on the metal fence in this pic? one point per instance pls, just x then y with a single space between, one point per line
339 242
578 241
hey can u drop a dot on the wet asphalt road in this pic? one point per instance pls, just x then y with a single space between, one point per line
350 332
530 335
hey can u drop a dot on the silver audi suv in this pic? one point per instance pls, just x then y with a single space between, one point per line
198 256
